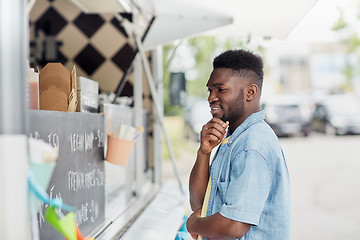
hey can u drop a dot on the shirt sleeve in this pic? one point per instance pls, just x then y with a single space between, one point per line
247 190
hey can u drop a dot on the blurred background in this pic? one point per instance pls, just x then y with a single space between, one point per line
311 95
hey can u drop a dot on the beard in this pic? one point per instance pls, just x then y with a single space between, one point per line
234 110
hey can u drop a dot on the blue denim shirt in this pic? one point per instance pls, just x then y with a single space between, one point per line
250 181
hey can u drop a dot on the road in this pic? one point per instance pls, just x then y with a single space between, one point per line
325 182
325 185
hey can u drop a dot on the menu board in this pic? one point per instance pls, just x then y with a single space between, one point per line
78 178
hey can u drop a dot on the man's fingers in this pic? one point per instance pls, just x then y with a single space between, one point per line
212 134
211 139
215 127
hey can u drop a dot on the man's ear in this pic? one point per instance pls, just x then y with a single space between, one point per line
252 92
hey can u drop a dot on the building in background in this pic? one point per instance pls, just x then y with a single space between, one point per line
308 67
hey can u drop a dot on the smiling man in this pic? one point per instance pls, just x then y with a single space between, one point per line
245 192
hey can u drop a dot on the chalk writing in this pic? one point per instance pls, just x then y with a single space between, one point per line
77 142
100 138
85 141
89 140
35 135
79 180
87 212
54 141
43 206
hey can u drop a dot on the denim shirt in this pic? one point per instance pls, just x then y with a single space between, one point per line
250 181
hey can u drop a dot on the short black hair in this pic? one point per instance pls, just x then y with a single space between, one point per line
239 60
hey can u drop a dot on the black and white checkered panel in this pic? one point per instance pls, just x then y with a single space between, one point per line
96 43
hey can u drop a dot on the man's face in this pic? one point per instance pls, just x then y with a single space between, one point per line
226 95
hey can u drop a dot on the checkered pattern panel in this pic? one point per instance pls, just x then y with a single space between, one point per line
96 43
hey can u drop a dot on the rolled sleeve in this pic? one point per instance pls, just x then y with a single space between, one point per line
247 190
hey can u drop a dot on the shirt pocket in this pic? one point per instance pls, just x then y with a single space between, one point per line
222 188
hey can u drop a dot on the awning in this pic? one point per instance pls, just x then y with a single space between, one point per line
176 19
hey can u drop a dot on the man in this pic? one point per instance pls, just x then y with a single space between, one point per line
248 194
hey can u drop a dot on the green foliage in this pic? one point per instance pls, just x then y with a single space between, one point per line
351 41
340 23
203 49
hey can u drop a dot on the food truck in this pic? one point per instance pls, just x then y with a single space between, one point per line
81 126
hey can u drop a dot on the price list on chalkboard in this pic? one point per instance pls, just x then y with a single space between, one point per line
78 178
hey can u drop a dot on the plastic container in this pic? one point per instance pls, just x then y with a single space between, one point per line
33 83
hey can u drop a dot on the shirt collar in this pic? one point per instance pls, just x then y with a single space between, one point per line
252 119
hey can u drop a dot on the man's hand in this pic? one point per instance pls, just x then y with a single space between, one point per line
215 226
212 133
194 236
190 222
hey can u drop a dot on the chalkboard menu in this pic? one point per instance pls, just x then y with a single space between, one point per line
78 178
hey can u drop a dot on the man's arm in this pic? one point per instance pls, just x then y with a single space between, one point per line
198 181
216 227
211 135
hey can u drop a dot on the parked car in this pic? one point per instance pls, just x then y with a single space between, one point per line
337 115
287 118
196 114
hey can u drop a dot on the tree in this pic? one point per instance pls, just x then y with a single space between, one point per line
349 35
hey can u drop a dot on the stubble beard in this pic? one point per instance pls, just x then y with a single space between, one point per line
235 110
